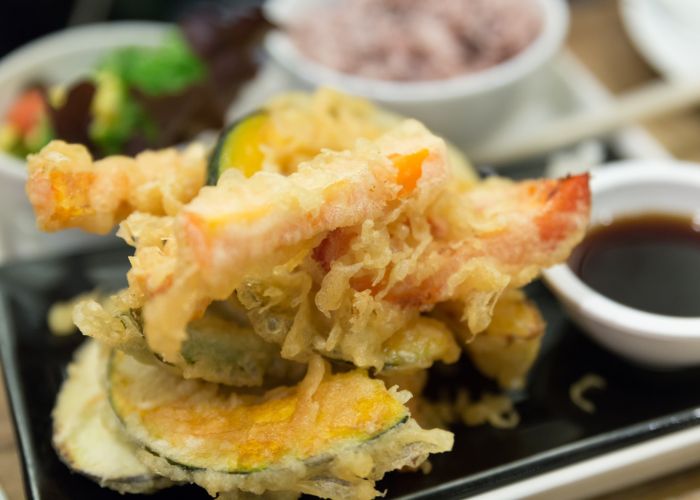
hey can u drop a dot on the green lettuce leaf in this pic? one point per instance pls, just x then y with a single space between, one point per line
165 69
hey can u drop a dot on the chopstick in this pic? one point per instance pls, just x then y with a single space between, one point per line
641 104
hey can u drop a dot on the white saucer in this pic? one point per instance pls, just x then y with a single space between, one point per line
666 33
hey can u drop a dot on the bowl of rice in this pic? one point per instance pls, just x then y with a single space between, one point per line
457 65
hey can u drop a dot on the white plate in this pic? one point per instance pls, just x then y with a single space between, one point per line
666 33
610 472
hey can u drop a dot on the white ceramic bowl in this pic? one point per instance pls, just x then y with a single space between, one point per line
630 188
61 57
464 109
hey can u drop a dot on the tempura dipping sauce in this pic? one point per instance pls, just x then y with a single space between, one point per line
650 262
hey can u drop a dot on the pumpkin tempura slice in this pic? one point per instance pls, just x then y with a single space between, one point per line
331 435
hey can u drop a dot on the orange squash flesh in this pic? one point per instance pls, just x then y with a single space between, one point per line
205 426
410 169
240 147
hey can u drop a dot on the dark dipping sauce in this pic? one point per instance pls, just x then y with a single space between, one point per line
650 262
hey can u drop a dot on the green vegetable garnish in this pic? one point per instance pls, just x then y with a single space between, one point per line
155 71
116 115
38 137
165 69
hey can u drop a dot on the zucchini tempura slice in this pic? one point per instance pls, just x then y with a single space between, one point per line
244 225
221 346
68 189
332 435
86 435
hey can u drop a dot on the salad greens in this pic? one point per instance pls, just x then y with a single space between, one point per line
167 69
145 97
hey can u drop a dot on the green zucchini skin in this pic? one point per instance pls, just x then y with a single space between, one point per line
215 167
213 172
192 468
87 437
403 445
221 347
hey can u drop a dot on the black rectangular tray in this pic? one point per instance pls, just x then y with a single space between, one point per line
638 404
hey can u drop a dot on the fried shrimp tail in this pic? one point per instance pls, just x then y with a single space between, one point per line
68 189
496 235
517 228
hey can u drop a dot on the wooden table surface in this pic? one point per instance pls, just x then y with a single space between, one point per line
598 39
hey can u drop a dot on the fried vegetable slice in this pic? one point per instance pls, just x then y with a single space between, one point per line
510 344
293 127
86 435
239 146
279 314
332 435
506 350
220 347
419 345
413 381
